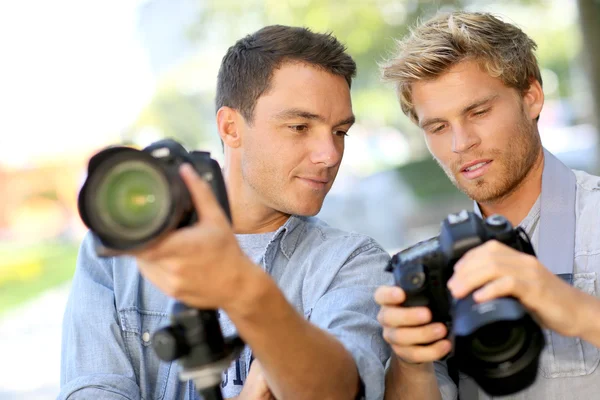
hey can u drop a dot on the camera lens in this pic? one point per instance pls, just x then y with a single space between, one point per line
498 342
131 200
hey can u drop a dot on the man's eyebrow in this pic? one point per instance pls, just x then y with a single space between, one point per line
479 103
299 113
348 121
430 121
465 110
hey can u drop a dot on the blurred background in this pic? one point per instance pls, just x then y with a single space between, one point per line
79 75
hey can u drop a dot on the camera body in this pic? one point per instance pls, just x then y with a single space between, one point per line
495 342
133 197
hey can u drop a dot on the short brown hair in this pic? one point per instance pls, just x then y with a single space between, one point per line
430 49
247 67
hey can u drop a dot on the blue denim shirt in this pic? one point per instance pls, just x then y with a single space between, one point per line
328 275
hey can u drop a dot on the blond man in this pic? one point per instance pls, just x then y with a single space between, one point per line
472 83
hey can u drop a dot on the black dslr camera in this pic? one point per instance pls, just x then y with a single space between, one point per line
132 198
497 342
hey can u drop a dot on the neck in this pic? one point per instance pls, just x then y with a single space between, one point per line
248 215
516 205
246 220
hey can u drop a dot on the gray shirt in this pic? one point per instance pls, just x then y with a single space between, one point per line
254 246
568 366
328 275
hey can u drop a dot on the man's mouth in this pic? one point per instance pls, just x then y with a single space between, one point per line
476 166
475 169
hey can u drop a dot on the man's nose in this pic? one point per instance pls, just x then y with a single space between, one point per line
327 150
464 138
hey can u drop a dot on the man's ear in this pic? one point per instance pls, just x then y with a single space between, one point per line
228 124
533 99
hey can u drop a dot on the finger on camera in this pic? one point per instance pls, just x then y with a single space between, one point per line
204 199
423 354
421 335
392 316
389 295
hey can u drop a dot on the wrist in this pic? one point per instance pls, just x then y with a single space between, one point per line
589 329
415 370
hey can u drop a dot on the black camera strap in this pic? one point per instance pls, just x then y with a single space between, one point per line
556 247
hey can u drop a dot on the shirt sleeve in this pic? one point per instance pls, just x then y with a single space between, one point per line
94 361
348 311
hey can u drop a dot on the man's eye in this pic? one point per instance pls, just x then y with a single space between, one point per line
481 112
438 129
340 133
298 128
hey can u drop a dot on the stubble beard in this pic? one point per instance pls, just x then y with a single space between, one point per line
511 167
276 191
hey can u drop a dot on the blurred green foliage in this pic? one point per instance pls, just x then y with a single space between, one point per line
427 180
26 271
369 28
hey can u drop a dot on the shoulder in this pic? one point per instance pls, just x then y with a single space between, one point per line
335 258
587 182
102 268
588 193
588 218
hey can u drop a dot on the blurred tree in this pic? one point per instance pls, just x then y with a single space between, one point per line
179 109
369 29
171 113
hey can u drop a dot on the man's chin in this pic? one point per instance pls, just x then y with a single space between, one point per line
307 210
475 190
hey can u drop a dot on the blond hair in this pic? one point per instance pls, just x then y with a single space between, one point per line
503 50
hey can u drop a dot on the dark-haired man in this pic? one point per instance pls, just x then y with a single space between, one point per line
298 291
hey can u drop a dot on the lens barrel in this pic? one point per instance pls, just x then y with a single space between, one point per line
497 343
130 198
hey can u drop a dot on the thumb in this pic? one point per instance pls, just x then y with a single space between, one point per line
203 198
389 296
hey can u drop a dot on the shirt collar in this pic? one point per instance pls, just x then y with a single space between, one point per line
527 222
289 234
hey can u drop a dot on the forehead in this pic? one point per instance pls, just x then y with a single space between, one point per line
460 86
298 85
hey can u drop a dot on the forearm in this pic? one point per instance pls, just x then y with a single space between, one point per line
411 381
590 315
298 359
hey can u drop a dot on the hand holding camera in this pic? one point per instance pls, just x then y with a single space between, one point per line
496 342
409 330
201 265
495 270
169 209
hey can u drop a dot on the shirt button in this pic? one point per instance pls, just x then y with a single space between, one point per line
146 337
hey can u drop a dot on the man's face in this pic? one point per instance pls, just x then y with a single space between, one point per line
291 153
479 130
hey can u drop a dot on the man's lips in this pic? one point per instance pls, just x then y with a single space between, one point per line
473 165
315 179
475 169
315 182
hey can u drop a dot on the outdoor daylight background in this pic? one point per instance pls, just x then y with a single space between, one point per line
77 75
